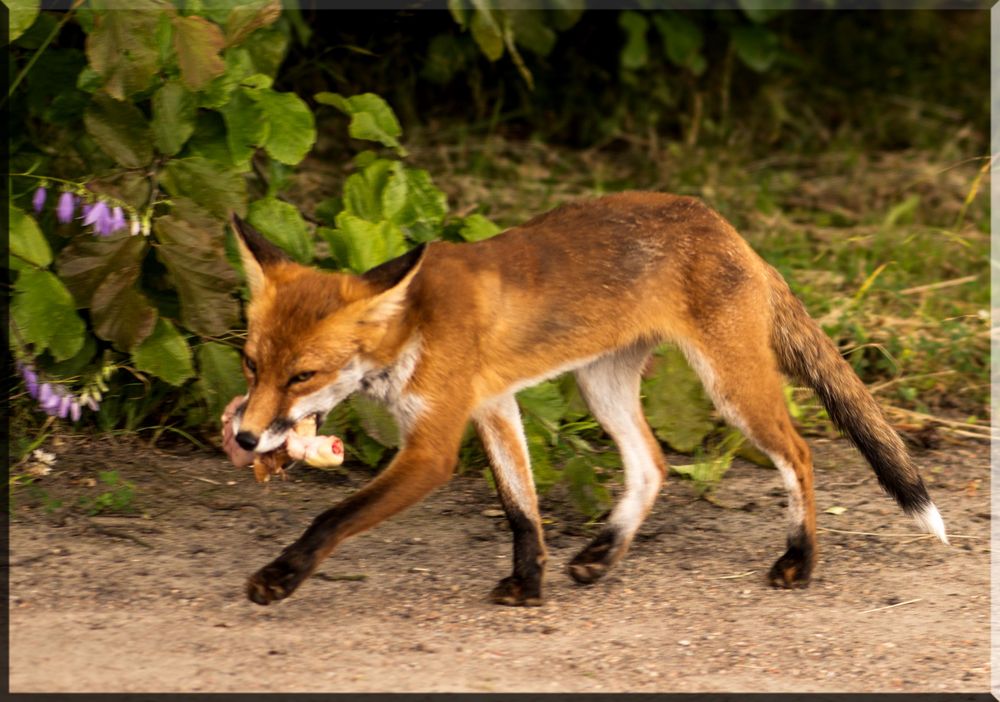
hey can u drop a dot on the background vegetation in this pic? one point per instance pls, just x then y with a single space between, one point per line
849 147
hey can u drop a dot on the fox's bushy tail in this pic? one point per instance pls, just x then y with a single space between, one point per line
807 354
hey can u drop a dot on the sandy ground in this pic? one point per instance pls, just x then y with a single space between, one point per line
155 602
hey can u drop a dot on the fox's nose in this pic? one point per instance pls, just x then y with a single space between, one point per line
246 440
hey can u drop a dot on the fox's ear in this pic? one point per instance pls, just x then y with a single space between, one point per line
256 252
390 282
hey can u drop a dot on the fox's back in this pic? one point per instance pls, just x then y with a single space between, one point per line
590 274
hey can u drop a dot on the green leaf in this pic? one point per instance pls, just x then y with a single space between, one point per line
267 49
120 130
486 31
756 46
192 248
281 223
45 315
371 118
682 40
208 183
293 129
26 239
363 191
165 354
635 53
174 112
122 49
760 11
376 421
22 16
243 20
476 227
198 43
676 405
239 65
544 402
412 201
246 126
220 376
458 11
361 244
531 32
587 493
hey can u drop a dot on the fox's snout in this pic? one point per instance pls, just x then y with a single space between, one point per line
247 440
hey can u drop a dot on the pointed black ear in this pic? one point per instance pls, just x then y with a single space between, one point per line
260 248
392 273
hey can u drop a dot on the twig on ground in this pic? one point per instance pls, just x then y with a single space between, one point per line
733 577
899 536
116 534
898 604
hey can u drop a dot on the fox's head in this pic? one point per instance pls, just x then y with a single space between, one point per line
312 335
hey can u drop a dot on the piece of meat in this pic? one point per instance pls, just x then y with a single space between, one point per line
301 444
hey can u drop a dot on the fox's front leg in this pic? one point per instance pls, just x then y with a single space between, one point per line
426 461
500 428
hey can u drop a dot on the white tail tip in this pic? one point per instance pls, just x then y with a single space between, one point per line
930 521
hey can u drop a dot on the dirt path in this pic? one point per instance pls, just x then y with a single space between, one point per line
156 604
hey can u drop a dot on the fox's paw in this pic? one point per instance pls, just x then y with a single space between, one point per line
594 561
517 592
792 571
274 582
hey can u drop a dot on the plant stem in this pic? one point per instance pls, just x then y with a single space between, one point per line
41 50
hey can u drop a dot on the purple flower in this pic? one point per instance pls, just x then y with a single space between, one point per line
44 394
39 199
100 217
74 411
117 220
64 210
64 402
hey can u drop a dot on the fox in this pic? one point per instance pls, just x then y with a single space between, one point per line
448 332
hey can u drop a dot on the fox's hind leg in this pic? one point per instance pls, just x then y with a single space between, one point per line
610 386
500 428
743 379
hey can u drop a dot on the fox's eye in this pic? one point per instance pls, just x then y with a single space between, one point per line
251 366
301 377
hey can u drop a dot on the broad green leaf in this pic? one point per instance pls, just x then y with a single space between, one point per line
589 495
635 53
76 364
198 43
165 354
677 407
371 118
26 239
444 60
22 16
476 227
192 247
531 32
458 11
239 65
210 141
362 245
122 48
544 402
486 31
220 376
293 129
267 49
174 112
363 191
246 126
376 421
87 261
411 201
538 440
120 130
760 11
207 183
756 46
281 223
45 315
682 40
245 19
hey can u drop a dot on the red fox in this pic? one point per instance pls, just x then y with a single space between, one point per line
447 333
